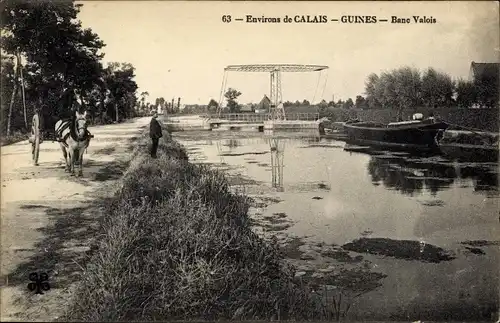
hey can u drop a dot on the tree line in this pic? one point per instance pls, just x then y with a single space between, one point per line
45 43
399 89
169 106
407 87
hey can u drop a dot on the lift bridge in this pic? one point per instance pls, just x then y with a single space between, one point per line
277 111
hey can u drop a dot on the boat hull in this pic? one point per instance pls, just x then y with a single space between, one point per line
420 136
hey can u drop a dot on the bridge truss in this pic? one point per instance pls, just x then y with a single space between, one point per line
277 111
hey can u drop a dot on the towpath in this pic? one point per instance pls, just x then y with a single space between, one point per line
49 218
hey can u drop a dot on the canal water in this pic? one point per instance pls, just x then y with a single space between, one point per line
419 235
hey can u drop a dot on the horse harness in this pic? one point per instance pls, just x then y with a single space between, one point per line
65 125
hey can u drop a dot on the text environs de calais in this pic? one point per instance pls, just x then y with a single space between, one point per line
288 19
347 19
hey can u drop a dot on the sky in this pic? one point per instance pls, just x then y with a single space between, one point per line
180 48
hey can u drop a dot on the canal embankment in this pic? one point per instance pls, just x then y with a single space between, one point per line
182 240
176 243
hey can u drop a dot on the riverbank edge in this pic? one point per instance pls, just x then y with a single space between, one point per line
177 244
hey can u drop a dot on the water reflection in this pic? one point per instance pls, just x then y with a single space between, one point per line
226 146
412 176
277 147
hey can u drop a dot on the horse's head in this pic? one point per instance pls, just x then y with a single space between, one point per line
81 124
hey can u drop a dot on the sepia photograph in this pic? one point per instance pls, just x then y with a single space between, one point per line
250 161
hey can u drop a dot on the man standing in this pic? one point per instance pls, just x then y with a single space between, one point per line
155 133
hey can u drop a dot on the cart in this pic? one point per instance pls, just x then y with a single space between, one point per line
38 135
35 138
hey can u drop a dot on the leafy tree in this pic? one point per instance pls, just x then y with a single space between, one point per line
397 89
58 54
466 94
212 106
437 88
8 79
231 96
322 106
120 81
144 96
360 102
348 104
371 92
384 90
306 103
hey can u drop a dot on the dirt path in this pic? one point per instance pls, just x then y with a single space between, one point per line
48 218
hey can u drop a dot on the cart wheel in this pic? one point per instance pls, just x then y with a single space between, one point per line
35 134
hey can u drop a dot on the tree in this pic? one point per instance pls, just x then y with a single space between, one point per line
120 81
58 52
323 105
144 96
8 81
306 103
371 86
407 87
53 41
212 106
437 88
231 96
360 102
466 93
348 104
397 89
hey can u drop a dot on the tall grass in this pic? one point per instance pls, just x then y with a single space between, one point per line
177 244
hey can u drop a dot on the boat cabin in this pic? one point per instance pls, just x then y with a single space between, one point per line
417 118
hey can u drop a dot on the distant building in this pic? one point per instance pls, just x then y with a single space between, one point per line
264 105
247 107
484 70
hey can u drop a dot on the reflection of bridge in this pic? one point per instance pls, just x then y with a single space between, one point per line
246 122
277 147
254 121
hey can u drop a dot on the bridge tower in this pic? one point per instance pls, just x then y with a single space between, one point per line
277 111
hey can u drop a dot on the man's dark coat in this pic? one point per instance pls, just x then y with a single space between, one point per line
155 129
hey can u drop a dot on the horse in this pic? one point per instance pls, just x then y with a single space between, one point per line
74 139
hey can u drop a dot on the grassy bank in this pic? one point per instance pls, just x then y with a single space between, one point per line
177 244
13 138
